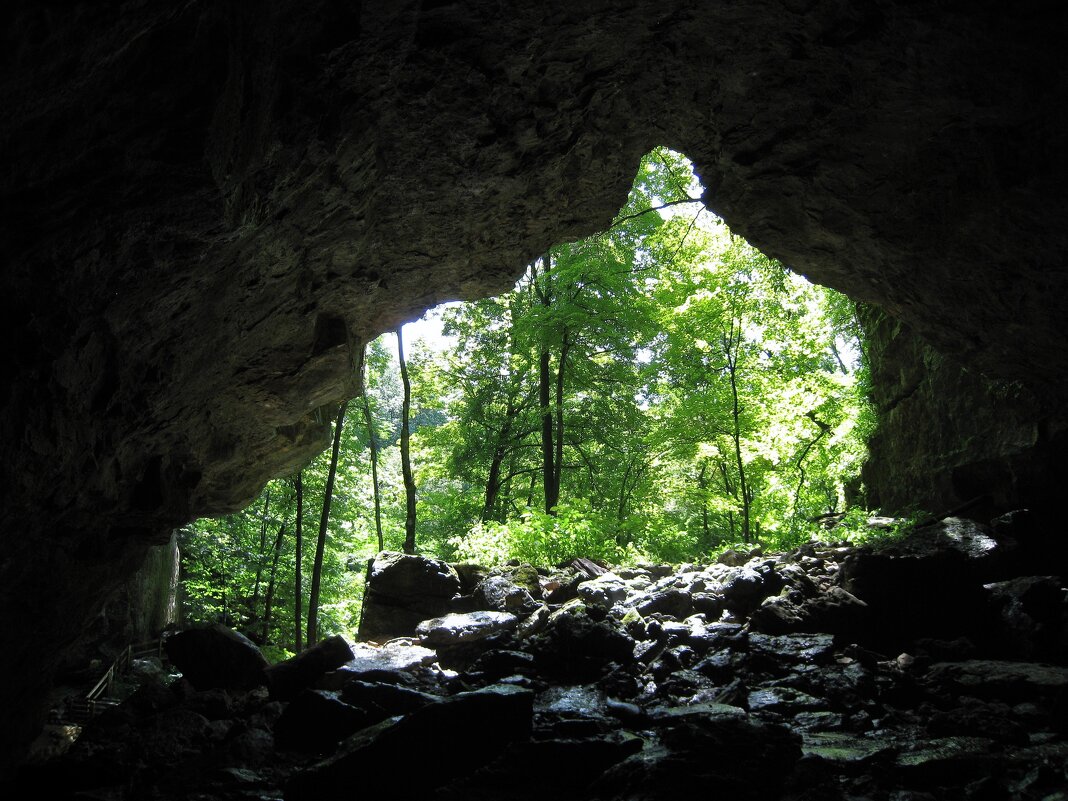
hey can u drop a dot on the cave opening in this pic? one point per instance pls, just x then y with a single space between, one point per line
210 210
701 397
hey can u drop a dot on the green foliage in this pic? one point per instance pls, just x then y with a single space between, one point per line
542 539
700 395
859 526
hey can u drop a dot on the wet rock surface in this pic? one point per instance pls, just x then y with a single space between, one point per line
602 700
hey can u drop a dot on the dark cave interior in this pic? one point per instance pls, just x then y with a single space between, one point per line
193 193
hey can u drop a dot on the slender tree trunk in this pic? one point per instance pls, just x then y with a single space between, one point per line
260 554
298 613
324 520
730 347
493 484
269 598
373 444
548 452
493 480
405 447
558 466
824 430
729 489
702 484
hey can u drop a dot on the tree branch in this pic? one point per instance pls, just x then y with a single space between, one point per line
619 221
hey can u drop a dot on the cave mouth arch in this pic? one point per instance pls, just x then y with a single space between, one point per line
211 182
700 397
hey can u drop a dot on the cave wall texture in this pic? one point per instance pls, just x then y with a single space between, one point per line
209 207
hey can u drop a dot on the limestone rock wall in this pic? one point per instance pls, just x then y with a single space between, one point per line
209 207
949 436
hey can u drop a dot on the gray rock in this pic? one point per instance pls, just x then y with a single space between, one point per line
604 591
393 657
744 591
670 602
741 759
574 648
380 700
1010 681
792 649
534 622
455 629
926 583
1030 618
500 594
402 590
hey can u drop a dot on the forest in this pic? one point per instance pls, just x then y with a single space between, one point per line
658 392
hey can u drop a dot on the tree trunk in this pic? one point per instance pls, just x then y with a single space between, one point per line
298 614
730 348
493 484
824 430
702 484
373 444
324 519
548 452
269 599
406 461
500 452
558 466
731 492
260 554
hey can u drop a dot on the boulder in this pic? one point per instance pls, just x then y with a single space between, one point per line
604 591
286 679
1029 618
925 583
670 602
574 647
217 656
744 591
456 629
1002 680
427 749
396 657
501 594
743 760
402 590
316 720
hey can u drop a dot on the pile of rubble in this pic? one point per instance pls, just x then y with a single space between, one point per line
927 667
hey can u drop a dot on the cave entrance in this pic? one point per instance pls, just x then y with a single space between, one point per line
655 392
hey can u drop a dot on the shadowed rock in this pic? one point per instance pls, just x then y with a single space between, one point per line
217 656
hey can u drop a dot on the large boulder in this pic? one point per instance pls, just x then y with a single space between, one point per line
426 749
217 656
456 629
928 582
288 678
401 591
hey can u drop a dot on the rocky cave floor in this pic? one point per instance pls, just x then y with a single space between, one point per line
927 667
